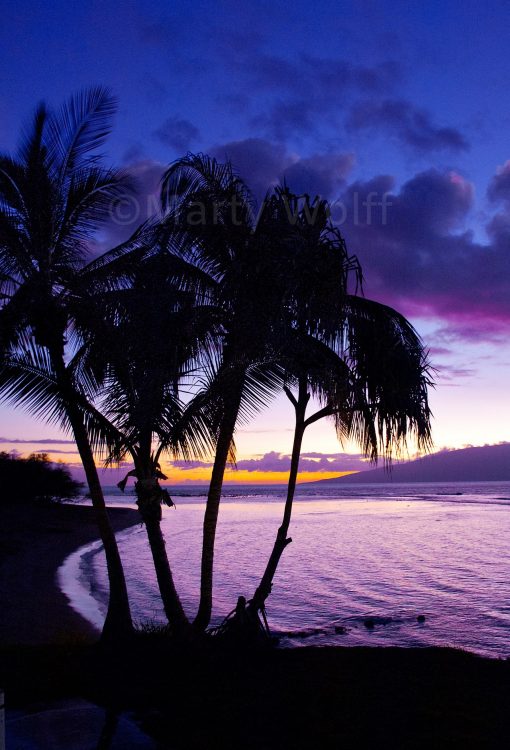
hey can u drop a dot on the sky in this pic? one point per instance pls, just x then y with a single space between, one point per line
398 113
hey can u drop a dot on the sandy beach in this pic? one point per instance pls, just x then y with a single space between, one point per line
33 544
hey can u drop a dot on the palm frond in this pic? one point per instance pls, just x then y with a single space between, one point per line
79 129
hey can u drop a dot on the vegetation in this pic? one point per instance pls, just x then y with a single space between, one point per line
53 196
165 344
35 479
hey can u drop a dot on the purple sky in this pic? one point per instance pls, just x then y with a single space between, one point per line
399 103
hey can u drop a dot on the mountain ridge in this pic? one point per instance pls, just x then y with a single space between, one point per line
487 463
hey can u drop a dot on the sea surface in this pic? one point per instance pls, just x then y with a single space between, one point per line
365 563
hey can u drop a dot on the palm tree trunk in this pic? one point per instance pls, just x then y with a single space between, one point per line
149 503
281 541
225 436
118 624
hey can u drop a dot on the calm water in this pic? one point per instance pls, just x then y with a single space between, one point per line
373 551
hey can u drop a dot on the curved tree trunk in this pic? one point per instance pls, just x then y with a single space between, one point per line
281 541
225 436
149 503
118 624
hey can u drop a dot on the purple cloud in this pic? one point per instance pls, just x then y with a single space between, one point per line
41 441
499 186
258 161
318 76
411 125
178 133
419 258
307 92
264 164
273 461
135 208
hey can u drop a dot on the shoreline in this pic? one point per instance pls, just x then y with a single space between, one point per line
325 697
34 542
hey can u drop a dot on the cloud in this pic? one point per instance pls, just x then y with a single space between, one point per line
319 76
499 186
420 258
36 441
411 125
178 133
319 174
258 161
305 93
273 461
264 164
415 250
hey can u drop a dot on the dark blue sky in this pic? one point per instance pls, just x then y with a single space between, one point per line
297 74
406 99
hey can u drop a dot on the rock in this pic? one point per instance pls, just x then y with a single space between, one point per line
421 618
340 629
369 623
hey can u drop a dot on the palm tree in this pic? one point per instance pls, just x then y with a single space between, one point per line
227 258
143 345
53 196
375 392
361 360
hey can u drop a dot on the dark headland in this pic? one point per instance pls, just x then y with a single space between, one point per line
489 463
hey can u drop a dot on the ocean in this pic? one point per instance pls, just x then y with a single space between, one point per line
378 565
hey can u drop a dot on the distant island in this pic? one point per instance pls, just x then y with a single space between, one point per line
489 463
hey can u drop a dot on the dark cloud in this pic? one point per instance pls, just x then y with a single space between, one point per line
499 186
258 161
285 118
306 93
178 133
319 77
264 164
412 242
411 125
319 174
419 258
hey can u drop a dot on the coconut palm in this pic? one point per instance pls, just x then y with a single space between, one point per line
362 361
53 197
232 254
291 317
375 391
143 346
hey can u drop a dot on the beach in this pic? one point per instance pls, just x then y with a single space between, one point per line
208 696
34 542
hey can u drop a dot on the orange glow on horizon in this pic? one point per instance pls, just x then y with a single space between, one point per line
182 476
201 475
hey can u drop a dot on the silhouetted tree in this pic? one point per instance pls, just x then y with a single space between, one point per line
227 257
53 196
35 479
143 345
